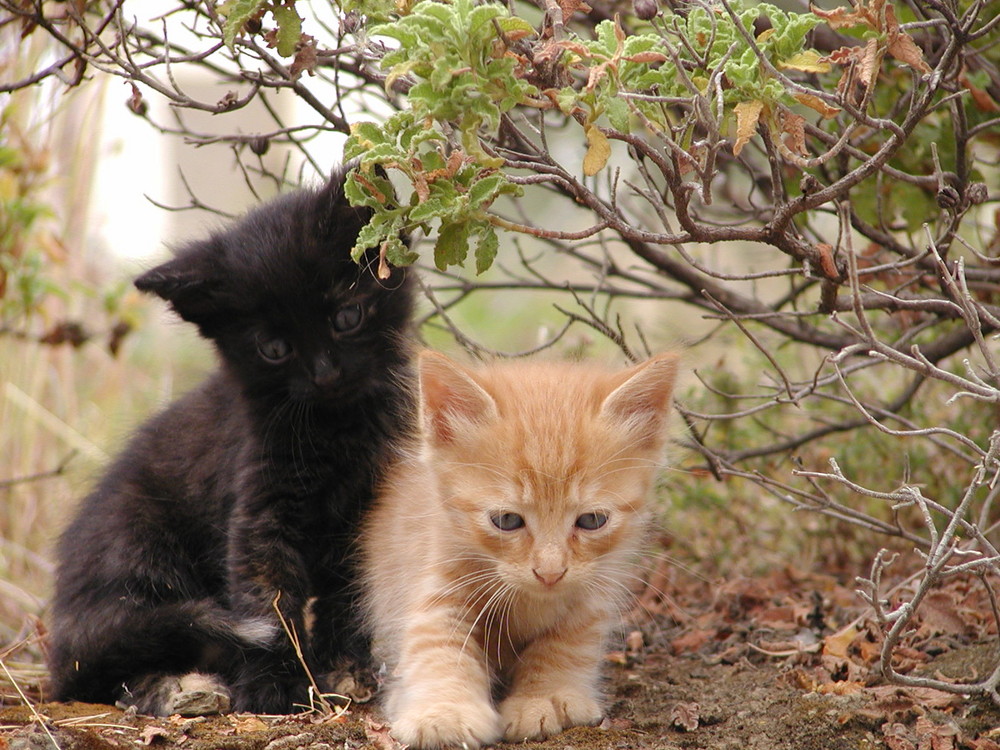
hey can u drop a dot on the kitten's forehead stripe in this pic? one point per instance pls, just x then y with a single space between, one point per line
550 431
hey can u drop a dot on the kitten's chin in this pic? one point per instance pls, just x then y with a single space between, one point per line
540 591
334 397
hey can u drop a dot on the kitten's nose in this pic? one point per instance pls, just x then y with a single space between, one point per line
549 577
325 373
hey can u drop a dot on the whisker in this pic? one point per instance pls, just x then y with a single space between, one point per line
500 588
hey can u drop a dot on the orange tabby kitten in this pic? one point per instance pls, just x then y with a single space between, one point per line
497 557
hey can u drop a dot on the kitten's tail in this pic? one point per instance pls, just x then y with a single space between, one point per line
101 661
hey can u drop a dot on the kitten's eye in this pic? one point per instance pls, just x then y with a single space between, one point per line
274 350
507 521
348 318
591 521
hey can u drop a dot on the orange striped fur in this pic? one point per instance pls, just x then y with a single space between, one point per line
498 554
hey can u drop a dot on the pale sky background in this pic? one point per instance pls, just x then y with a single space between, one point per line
137 161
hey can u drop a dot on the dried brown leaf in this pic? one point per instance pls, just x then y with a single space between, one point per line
747 116
844 687
135 102
894 698
808 61
818 105
616 657
898 737
840 18
904 49
843 55
306 59
794 128
370 187
980 97
634 642
784 617
598 151
151 733
647 57
861 64
246 723
940 614
378 735
686 716
692 640
384 271
934 736
838 643
901 45
596 74
569 7
869 63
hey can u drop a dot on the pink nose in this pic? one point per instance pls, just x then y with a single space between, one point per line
549 578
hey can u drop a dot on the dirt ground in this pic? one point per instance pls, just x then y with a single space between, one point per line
666 702
787 661
656 700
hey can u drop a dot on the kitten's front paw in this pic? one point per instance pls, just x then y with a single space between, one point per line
193 694
199 695
469 725
533 717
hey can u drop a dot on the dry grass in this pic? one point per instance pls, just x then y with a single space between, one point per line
64 411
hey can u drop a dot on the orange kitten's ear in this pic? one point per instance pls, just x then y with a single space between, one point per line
641 403
449 398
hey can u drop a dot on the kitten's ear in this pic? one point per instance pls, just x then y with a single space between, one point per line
190 288
641 403
450 399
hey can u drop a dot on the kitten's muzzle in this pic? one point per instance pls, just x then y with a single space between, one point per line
325 373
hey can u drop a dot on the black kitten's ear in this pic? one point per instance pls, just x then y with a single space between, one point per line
192 291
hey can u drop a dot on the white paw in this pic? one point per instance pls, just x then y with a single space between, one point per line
197 694
431 725
533 717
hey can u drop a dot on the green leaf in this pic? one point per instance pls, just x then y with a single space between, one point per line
238 12
607 42
446 192
618 113
486 248
481 16
513 24
353 191
444 72
483 191
367 132
370 235
358 192
289 29
364 137
427 13
398 254
381 153
383 227
407 38
452 245
427 210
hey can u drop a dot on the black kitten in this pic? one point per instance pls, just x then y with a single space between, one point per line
249 488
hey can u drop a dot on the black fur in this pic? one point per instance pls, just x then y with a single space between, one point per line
253 483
